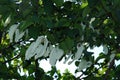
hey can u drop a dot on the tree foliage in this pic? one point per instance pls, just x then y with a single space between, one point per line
33 30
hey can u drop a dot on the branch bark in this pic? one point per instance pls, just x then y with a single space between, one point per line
108 70
11 59
36 70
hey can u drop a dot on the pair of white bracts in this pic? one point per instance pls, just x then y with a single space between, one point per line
40 48
15 31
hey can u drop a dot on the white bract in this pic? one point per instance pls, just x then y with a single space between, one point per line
112 56
84 64
30 51
49 49
68 57
39 51
91 27
105 49
77 54
82 38
55 55
18 35
43 43
79 51
37 48
70 0
83 26
12 31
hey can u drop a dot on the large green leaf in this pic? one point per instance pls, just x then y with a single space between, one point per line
67 44
86 11
48 6
92 3
25 24
5 2
58 2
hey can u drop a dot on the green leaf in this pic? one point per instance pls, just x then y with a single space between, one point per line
118 15
67 44
48 6
5 2
31 69
4 9
117 57
25 24
58 2
25 8
34 32
67 5
63 22
30 77
84 4
101 56
85 11
92 3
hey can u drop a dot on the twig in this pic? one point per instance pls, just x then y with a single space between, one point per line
109 68
36 69
11 59
10 46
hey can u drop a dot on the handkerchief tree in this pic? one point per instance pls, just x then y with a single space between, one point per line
33 30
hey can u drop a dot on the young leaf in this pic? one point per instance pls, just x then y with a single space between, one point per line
84 64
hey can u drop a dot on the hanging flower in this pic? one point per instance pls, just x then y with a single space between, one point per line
30 51
37 48
55 55
18 35
47 52
12 31
105 49
42 47
79 51
84 64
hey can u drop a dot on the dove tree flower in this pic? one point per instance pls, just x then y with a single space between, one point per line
15 31
12 31
105 49
18 35
79 51
55 55
84 64
37 48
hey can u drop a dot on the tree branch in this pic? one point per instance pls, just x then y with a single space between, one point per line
11 59
36 70
108 70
